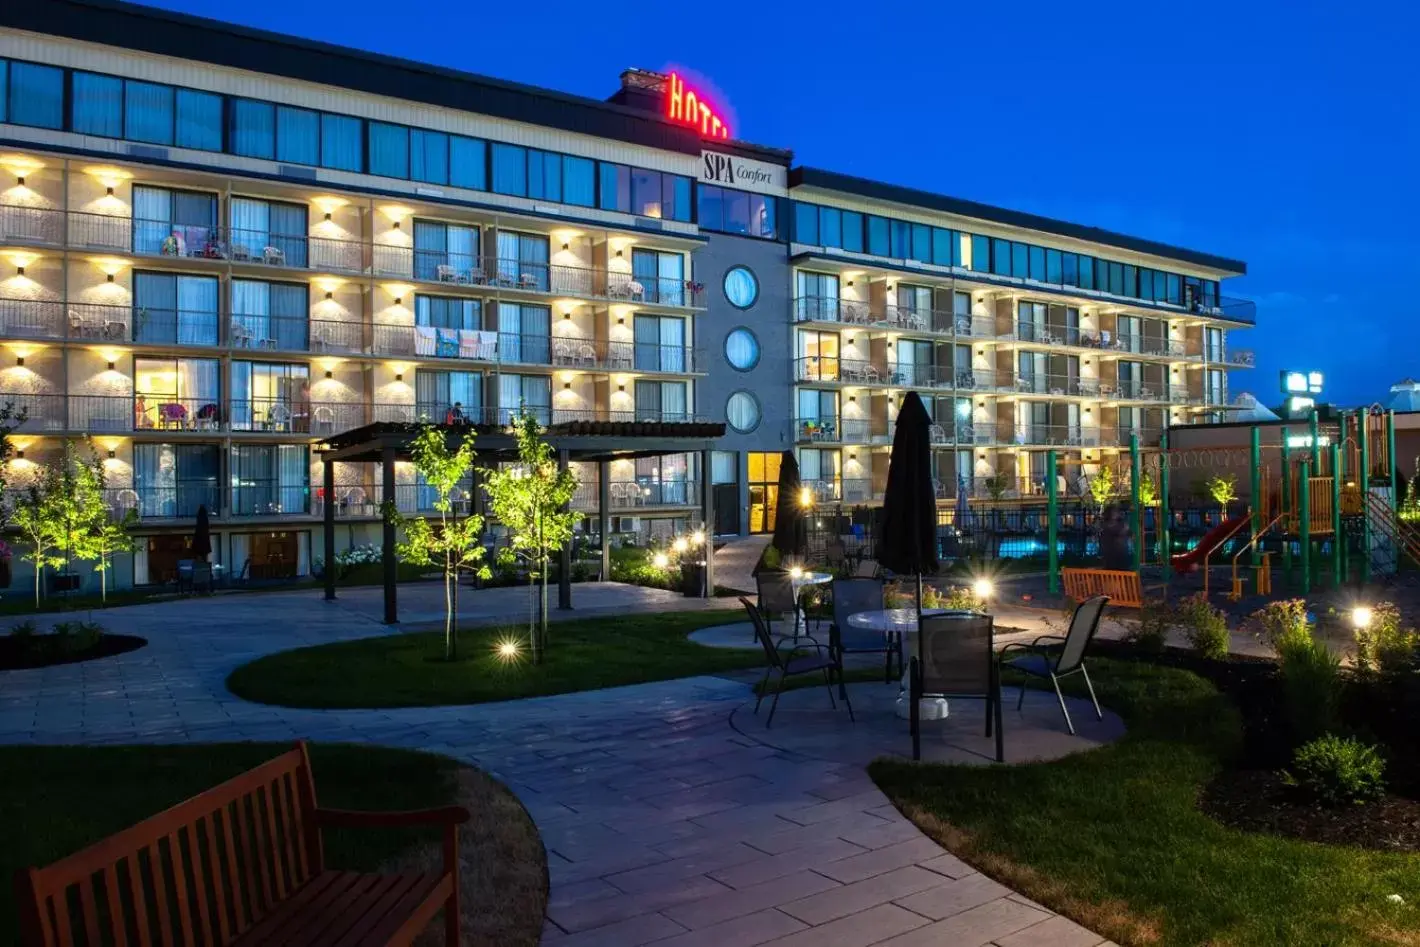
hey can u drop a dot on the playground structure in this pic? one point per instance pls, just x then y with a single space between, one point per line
1323 499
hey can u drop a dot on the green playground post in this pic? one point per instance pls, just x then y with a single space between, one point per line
1165 544
1285 505
1254 514
1052 527
1316 444
1394 467
1134 498
1338 565
1305 510
1363 480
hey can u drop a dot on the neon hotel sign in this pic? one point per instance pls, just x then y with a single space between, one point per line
686 107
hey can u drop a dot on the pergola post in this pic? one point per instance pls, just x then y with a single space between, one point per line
604 514
707 512
328 514
564 577
387 455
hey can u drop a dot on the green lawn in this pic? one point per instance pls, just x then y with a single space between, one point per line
56 800
410 670
1113 837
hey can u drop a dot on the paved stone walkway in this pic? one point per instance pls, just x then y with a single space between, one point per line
662 823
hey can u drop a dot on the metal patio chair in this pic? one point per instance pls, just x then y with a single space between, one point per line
851 596
789 665
955 659
1035 659
777 598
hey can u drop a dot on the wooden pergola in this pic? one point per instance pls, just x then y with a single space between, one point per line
599 442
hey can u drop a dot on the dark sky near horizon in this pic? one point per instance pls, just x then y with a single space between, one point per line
1285 134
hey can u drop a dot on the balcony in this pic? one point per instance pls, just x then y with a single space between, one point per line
236 247
1054 435
1056 385
641 493
891 316
1235 358
178 502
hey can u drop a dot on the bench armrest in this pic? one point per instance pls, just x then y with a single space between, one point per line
352 819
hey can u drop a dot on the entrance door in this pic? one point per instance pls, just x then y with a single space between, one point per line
763 490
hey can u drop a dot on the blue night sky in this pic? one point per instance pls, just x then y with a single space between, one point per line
1281 133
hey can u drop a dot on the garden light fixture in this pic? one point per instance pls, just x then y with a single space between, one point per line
1361 616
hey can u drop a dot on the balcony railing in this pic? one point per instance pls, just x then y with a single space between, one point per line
1056 385
639 493
892 316
1240 358
33 226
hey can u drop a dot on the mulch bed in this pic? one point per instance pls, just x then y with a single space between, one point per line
1258 801
36 652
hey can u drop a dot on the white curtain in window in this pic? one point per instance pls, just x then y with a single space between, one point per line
251 226
197 310
507 257
198 380
673 345
671 270
251 309
673 401
152 218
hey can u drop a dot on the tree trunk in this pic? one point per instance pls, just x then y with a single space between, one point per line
542 618
532 613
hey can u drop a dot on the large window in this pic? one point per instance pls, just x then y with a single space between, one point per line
269 231
660 344
524 394
271 396
444 397
270 315
731 211
173 223
98 105
447 312
446 252
36 95
170 309
524 333
522 260
270 479
176 394
763 483
661 401
174 480
661 275
645 193
816 297
543 175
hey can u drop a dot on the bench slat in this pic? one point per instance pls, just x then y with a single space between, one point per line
270 844
88 910
283 813
403 919
180 896
117 922
307 926
140 903
393 892
220 885
256 906
263 931
163 928
199 881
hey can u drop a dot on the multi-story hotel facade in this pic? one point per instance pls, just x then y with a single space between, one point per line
219 247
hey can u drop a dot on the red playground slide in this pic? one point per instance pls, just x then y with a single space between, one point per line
1187 562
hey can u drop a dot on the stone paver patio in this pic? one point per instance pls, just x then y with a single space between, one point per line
663 823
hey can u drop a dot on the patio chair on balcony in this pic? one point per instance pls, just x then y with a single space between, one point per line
446 274
123 501
273 256
1034 660
322 420
955 659
786 666
278 418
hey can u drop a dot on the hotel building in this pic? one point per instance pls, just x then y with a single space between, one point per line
209 266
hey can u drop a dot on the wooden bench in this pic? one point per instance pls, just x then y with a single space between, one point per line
239 864
1123 588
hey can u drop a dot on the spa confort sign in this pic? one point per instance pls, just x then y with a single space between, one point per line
727 170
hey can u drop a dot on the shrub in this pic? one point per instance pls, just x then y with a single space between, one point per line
1383 646
1281 622
87 635
63 639
1338 771
1151 633
1311 687
1206 627
24 630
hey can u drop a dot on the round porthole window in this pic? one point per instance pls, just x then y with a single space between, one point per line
741 288
742 412
742 349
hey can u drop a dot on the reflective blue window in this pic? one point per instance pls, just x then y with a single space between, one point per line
148 112
36 95
253 129
830 227
4 84
980 253
429 156
1131 282
510 170
389 150
98 105
853 231
1020 260
878 242
1068 275
341 143
1000 256
468 158
544 175
297 136
1037 263
199 120
1053 266
677 189
921 243
615 187
901 239
1086 272
943 244
579 181
806 219
1175 289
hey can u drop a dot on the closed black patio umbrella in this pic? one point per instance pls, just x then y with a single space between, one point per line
907 540
790 524
202 536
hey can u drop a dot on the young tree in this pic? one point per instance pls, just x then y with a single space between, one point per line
454 542
105 537
1102 486
530 498
41 523
1223 490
